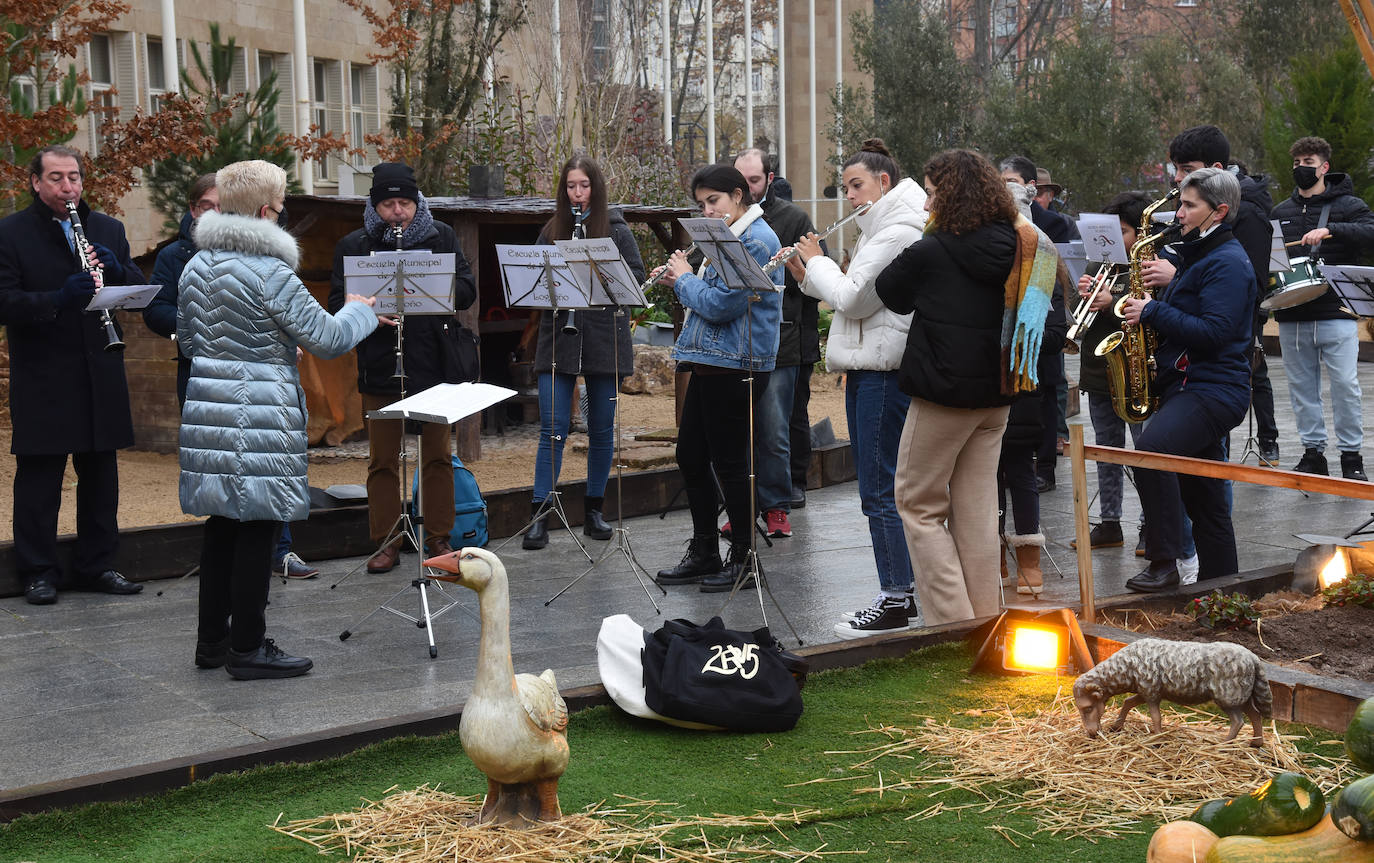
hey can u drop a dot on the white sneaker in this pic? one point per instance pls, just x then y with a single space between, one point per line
1187 570
876 605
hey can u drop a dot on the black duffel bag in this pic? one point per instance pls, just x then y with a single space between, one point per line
742 681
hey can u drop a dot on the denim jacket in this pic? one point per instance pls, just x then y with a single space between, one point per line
713 333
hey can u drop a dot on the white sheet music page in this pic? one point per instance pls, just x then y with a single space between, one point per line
444 403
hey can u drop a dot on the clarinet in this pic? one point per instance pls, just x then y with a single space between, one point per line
579 233
83 260
396 232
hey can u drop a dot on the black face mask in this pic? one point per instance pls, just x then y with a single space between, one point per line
1304 176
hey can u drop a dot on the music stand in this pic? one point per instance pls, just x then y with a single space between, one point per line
741 272
417 282
597 264
445 404
537 277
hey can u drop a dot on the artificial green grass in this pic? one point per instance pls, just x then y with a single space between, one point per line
225 818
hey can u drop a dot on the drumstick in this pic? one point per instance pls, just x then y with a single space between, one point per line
1294 243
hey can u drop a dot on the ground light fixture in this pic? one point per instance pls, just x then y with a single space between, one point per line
1026 640
1325 562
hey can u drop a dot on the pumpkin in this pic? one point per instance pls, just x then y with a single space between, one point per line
1359 736
1180 842
1288 803
1353 809
1322 843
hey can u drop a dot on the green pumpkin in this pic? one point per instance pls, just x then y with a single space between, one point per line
1353 809
1359 736
1288 803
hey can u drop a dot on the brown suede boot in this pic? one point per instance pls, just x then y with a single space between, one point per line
1029 578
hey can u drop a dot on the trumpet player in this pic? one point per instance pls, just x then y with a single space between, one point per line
68 395
1202 322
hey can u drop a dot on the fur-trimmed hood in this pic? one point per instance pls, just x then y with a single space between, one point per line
250 236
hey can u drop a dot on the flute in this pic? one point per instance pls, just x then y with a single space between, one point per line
658 271
791 251
83 257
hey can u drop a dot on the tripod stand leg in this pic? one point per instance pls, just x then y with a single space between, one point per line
426 623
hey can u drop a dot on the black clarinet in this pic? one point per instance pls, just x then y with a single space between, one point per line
396 233
579 233
83 260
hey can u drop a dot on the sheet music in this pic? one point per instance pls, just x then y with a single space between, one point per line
1102 238
727 254
123 297
610 282
444 403
426 280
1074 257
525 278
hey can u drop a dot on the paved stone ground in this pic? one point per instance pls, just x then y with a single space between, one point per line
97 683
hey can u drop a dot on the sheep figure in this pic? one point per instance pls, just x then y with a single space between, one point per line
1183 672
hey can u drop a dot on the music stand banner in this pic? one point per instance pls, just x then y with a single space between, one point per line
1354 285
425 280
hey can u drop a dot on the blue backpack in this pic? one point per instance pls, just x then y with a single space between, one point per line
469 510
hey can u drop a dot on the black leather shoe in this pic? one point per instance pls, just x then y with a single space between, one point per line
212 654
1150 581
268 661
41 591
594 524
110 581
1269 453
1104 535
798 498
702 559
1043 485
538 535
724 581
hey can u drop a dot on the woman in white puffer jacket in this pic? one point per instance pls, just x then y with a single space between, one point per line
866 342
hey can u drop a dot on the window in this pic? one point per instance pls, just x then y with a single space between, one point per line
1004 19
599 38
157 77
102 63
270 64
326 105
363 116
103 103
1185 3
756 80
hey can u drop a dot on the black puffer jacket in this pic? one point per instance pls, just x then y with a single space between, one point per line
588 352
799 340
431 341
1352 235
953 286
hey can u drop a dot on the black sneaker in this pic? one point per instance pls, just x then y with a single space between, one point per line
1352 466
1104 535
887 615
878 601
268 661
1312 461
1268 453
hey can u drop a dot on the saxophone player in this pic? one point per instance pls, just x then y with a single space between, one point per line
1201 319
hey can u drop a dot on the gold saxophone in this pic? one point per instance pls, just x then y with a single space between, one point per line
1130 351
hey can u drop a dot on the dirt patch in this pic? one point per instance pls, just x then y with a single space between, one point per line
148 480
1294 631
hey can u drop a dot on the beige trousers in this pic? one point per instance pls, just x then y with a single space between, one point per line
946 490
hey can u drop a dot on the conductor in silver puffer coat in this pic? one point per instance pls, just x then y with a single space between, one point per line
242 315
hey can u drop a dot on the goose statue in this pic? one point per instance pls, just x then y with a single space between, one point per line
514 726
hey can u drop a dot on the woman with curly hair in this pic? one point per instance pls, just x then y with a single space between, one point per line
975 286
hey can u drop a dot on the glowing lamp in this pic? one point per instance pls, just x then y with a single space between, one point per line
1034 641
1336 570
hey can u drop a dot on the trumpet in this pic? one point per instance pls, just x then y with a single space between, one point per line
83 246
1083 316
791 251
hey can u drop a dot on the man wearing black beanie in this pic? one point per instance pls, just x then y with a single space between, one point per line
437 349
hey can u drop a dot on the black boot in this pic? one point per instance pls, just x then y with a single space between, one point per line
594 525
1352 466
724 581
1312 461
702 559
538 535
1160 576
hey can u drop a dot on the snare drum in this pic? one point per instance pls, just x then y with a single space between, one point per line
1288 288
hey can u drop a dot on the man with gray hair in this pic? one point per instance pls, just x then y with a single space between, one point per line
1201 320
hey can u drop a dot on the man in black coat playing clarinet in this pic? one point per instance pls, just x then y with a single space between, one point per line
68 395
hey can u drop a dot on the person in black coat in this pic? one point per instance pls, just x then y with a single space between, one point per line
598 350
68 395
436 349
161 313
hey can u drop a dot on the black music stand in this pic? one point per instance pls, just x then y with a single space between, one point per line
445 404
532 280
620 286
741 272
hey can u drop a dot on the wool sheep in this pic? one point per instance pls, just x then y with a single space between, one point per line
1183 672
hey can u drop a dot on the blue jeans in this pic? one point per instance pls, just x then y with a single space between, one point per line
548 461
283 543
876 409
773 441
1307 346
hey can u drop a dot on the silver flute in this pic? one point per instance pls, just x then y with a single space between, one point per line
791 251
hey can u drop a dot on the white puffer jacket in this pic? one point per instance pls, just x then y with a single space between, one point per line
865 334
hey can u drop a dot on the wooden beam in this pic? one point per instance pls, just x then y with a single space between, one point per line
1226 470
1357 28
1087 589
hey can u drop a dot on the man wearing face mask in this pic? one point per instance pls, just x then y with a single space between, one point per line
1202 321
1335 226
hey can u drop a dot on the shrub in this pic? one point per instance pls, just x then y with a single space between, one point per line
1219 611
